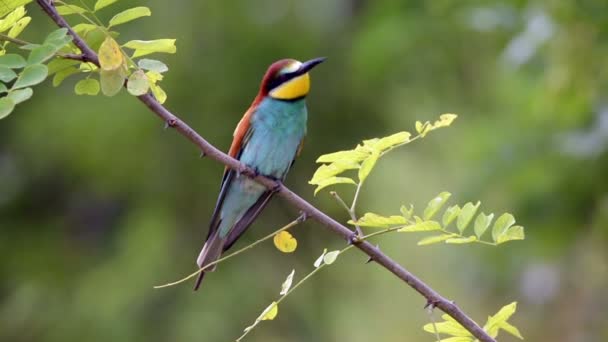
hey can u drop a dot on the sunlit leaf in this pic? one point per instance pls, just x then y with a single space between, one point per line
19 26
511 330
350 156
103 3
285 242
333 181
112 81
64 73
40 54
10 5
138 84
367 165
423 128
462 240
319 260
154 76
88 86
450 214
330 257
110 56
375 220
31 75
270 312
445 120
20 95
3 88
392 140
435 205
70 9
481 223
130 14
287 283
12 61
421 226
495 322
466 215
435 239
145 47
94 38
330 170
501 225
12 18
6 107
158 93
513 233
448 327
83 28
152 65
6 74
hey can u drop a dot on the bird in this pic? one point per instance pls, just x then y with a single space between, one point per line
267 139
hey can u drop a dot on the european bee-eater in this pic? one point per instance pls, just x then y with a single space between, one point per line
268 139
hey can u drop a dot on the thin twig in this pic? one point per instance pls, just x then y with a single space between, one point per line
212 152
348 210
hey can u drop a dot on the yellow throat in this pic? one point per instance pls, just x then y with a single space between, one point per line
292 89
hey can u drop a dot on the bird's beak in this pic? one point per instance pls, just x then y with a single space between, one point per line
306 66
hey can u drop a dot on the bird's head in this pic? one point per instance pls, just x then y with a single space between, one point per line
287 79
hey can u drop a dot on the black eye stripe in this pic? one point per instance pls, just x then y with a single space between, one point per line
280 79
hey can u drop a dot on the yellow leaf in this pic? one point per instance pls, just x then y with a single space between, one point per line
285 242
110 56
270 312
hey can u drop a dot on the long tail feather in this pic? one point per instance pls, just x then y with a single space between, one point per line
211 251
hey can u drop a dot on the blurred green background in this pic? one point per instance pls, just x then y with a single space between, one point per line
98 203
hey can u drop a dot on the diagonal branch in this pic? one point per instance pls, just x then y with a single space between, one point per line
433 298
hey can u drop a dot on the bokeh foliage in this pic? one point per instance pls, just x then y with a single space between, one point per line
98 203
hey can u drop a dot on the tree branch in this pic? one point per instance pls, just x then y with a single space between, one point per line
433 298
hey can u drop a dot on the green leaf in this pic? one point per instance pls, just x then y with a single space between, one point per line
128 15
11 18
19 26
511 330
6 107
513 233
327 171
103 3
138 83
64 73
375 220
158 93
12 61
3 88
152 65
59 64
466 215
112 81
330 257
423 128
10 5
88 86
450 214
145 47
435 204
94 38
40 54
70 9
421 226
481 223
435 239
6 74
501 225
393 140
407 213
367 165
31 75
57 34
462 240
332 181
82 29
445 120
20 95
